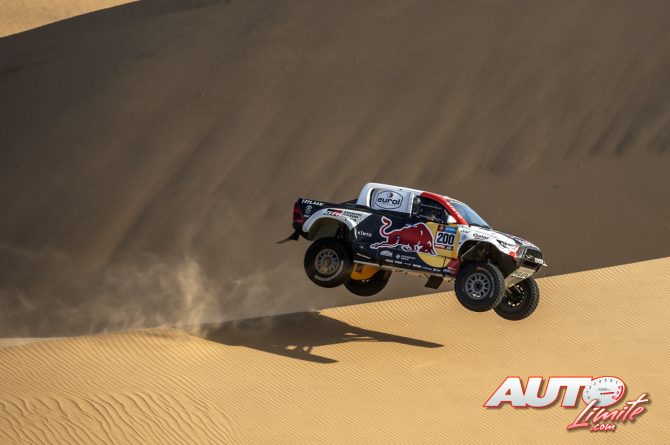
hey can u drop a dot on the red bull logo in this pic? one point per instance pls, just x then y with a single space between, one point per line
411 238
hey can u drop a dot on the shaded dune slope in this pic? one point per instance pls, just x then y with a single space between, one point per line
151 152
414 370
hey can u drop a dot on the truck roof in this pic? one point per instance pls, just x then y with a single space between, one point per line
392 197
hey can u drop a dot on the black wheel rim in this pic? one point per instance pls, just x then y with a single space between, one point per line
514 296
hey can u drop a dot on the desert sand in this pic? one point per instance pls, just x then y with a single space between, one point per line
413 370
150 156
151 152
22 15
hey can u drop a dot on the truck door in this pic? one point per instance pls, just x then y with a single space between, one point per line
373 240
433 216
379 238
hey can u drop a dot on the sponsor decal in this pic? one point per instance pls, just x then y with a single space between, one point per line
308 210
445 237
410 238
309 201
386 253
455 213
362 233
405 260
354 216
450 208
603 396
453 267
521 241
388 200
476 235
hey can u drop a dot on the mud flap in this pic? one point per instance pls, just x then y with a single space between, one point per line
294 237
434 282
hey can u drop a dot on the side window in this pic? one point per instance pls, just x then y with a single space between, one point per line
428 210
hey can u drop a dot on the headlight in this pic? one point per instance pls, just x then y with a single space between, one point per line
509 246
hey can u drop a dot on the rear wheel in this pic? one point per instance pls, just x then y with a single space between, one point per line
520 300
480 286
369 286
328 262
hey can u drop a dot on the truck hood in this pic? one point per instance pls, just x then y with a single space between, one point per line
484 234
519 241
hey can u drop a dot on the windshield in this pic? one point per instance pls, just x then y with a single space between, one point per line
470 215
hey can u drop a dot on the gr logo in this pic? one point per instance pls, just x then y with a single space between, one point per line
387 199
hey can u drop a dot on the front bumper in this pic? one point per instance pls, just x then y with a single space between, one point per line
528 261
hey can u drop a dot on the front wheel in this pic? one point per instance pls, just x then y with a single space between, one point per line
520 300
480 286
369 286
328 262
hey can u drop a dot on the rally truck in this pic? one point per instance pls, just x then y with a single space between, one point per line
360 243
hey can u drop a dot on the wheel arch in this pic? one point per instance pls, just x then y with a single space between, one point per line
326 226
473 250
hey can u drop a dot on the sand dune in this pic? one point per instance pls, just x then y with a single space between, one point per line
413 370
151 152
22 15
149 157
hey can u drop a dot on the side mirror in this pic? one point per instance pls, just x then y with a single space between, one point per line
451 220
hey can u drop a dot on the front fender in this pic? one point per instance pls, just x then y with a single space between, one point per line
478 250
470 235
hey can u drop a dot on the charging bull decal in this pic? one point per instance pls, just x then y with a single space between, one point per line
411 238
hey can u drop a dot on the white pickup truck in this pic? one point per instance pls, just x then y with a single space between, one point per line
359 243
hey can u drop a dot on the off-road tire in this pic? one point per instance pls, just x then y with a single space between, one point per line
328 262
369 286
520 300
480 286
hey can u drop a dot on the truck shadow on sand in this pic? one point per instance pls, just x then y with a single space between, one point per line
296 335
